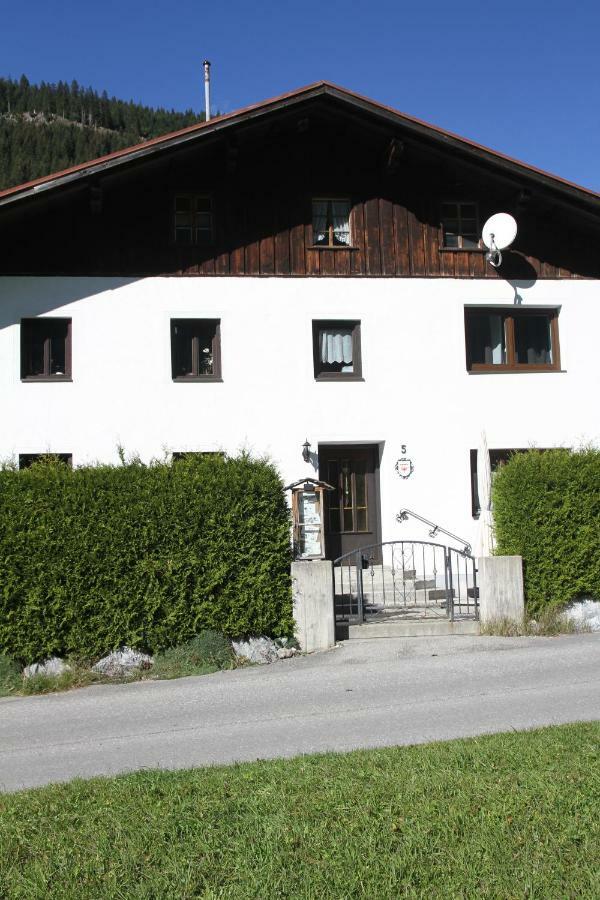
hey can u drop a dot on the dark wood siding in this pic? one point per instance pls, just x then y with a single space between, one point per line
262 189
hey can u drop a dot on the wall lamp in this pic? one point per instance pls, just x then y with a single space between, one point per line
306 451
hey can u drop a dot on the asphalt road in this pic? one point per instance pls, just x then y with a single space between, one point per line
362 694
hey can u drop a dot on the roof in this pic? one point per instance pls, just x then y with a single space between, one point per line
297 97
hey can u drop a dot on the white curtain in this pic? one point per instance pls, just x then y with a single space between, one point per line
485 541
340 218
336 346
535 332
319 220
496 354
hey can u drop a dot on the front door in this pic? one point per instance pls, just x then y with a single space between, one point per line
352 514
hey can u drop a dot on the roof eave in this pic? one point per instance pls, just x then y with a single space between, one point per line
160 144
424 130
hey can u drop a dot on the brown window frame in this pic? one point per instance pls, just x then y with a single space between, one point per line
178 455
28 326
216 374
193 195
28 459
509 315
330 244
460 235
322 324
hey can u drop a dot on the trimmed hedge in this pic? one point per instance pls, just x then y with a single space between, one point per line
547 510
94 558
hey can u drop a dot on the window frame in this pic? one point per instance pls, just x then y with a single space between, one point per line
322 324
442 238
179 455
336 198
216 374
30 458
499 456
193 195
509 314
27 324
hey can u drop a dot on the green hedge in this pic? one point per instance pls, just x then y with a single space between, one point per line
547 510
93 558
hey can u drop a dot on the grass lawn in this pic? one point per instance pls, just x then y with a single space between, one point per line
504 816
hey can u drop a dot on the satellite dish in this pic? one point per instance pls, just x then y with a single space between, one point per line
498 233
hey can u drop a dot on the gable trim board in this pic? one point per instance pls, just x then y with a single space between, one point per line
296 97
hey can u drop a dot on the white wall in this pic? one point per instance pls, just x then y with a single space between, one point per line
416 389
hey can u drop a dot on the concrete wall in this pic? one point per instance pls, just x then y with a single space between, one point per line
500 582
416 390
312 592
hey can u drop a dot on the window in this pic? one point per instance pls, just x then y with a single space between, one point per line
331 222
347 507
193 219
46 349
28 459
178 455
511 339
196 349
336 350
460 229
498 458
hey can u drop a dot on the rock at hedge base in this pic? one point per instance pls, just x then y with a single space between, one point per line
122 662
53 666
259 650
287 652
585 614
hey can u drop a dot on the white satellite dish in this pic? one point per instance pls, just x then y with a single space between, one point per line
498 233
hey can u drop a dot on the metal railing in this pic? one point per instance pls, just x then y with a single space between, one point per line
398 580
435 529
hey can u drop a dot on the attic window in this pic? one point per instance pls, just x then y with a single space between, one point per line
460 228
330 222
193 219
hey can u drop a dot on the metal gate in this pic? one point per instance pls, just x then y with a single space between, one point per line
398 580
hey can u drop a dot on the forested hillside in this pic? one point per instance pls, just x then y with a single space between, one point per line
48 127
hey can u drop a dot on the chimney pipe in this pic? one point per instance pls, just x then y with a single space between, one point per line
207 88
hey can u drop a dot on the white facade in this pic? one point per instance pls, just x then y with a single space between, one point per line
416 389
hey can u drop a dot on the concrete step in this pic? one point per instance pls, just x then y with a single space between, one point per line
412 628
378 572
407 597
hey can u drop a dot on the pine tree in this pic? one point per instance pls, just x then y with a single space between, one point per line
69 131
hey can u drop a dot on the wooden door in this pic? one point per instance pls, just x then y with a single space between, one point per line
352 510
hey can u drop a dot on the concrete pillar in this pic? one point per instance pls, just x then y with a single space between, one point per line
500 582
312 593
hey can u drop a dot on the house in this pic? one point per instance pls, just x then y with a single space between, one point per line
307 270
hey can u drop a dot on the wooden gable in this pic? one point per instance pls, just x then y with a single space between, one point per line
261 176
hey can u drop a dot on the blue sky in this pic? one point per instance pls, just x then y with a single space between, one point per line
523 78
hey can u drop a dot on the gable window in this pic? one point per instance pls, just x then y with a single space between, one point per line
193 219
330 222
511 339
28 459
196 349
336 350
460 228
46 349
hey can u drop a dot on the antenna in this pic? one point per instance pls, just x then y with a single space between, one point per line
206 65
498 233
